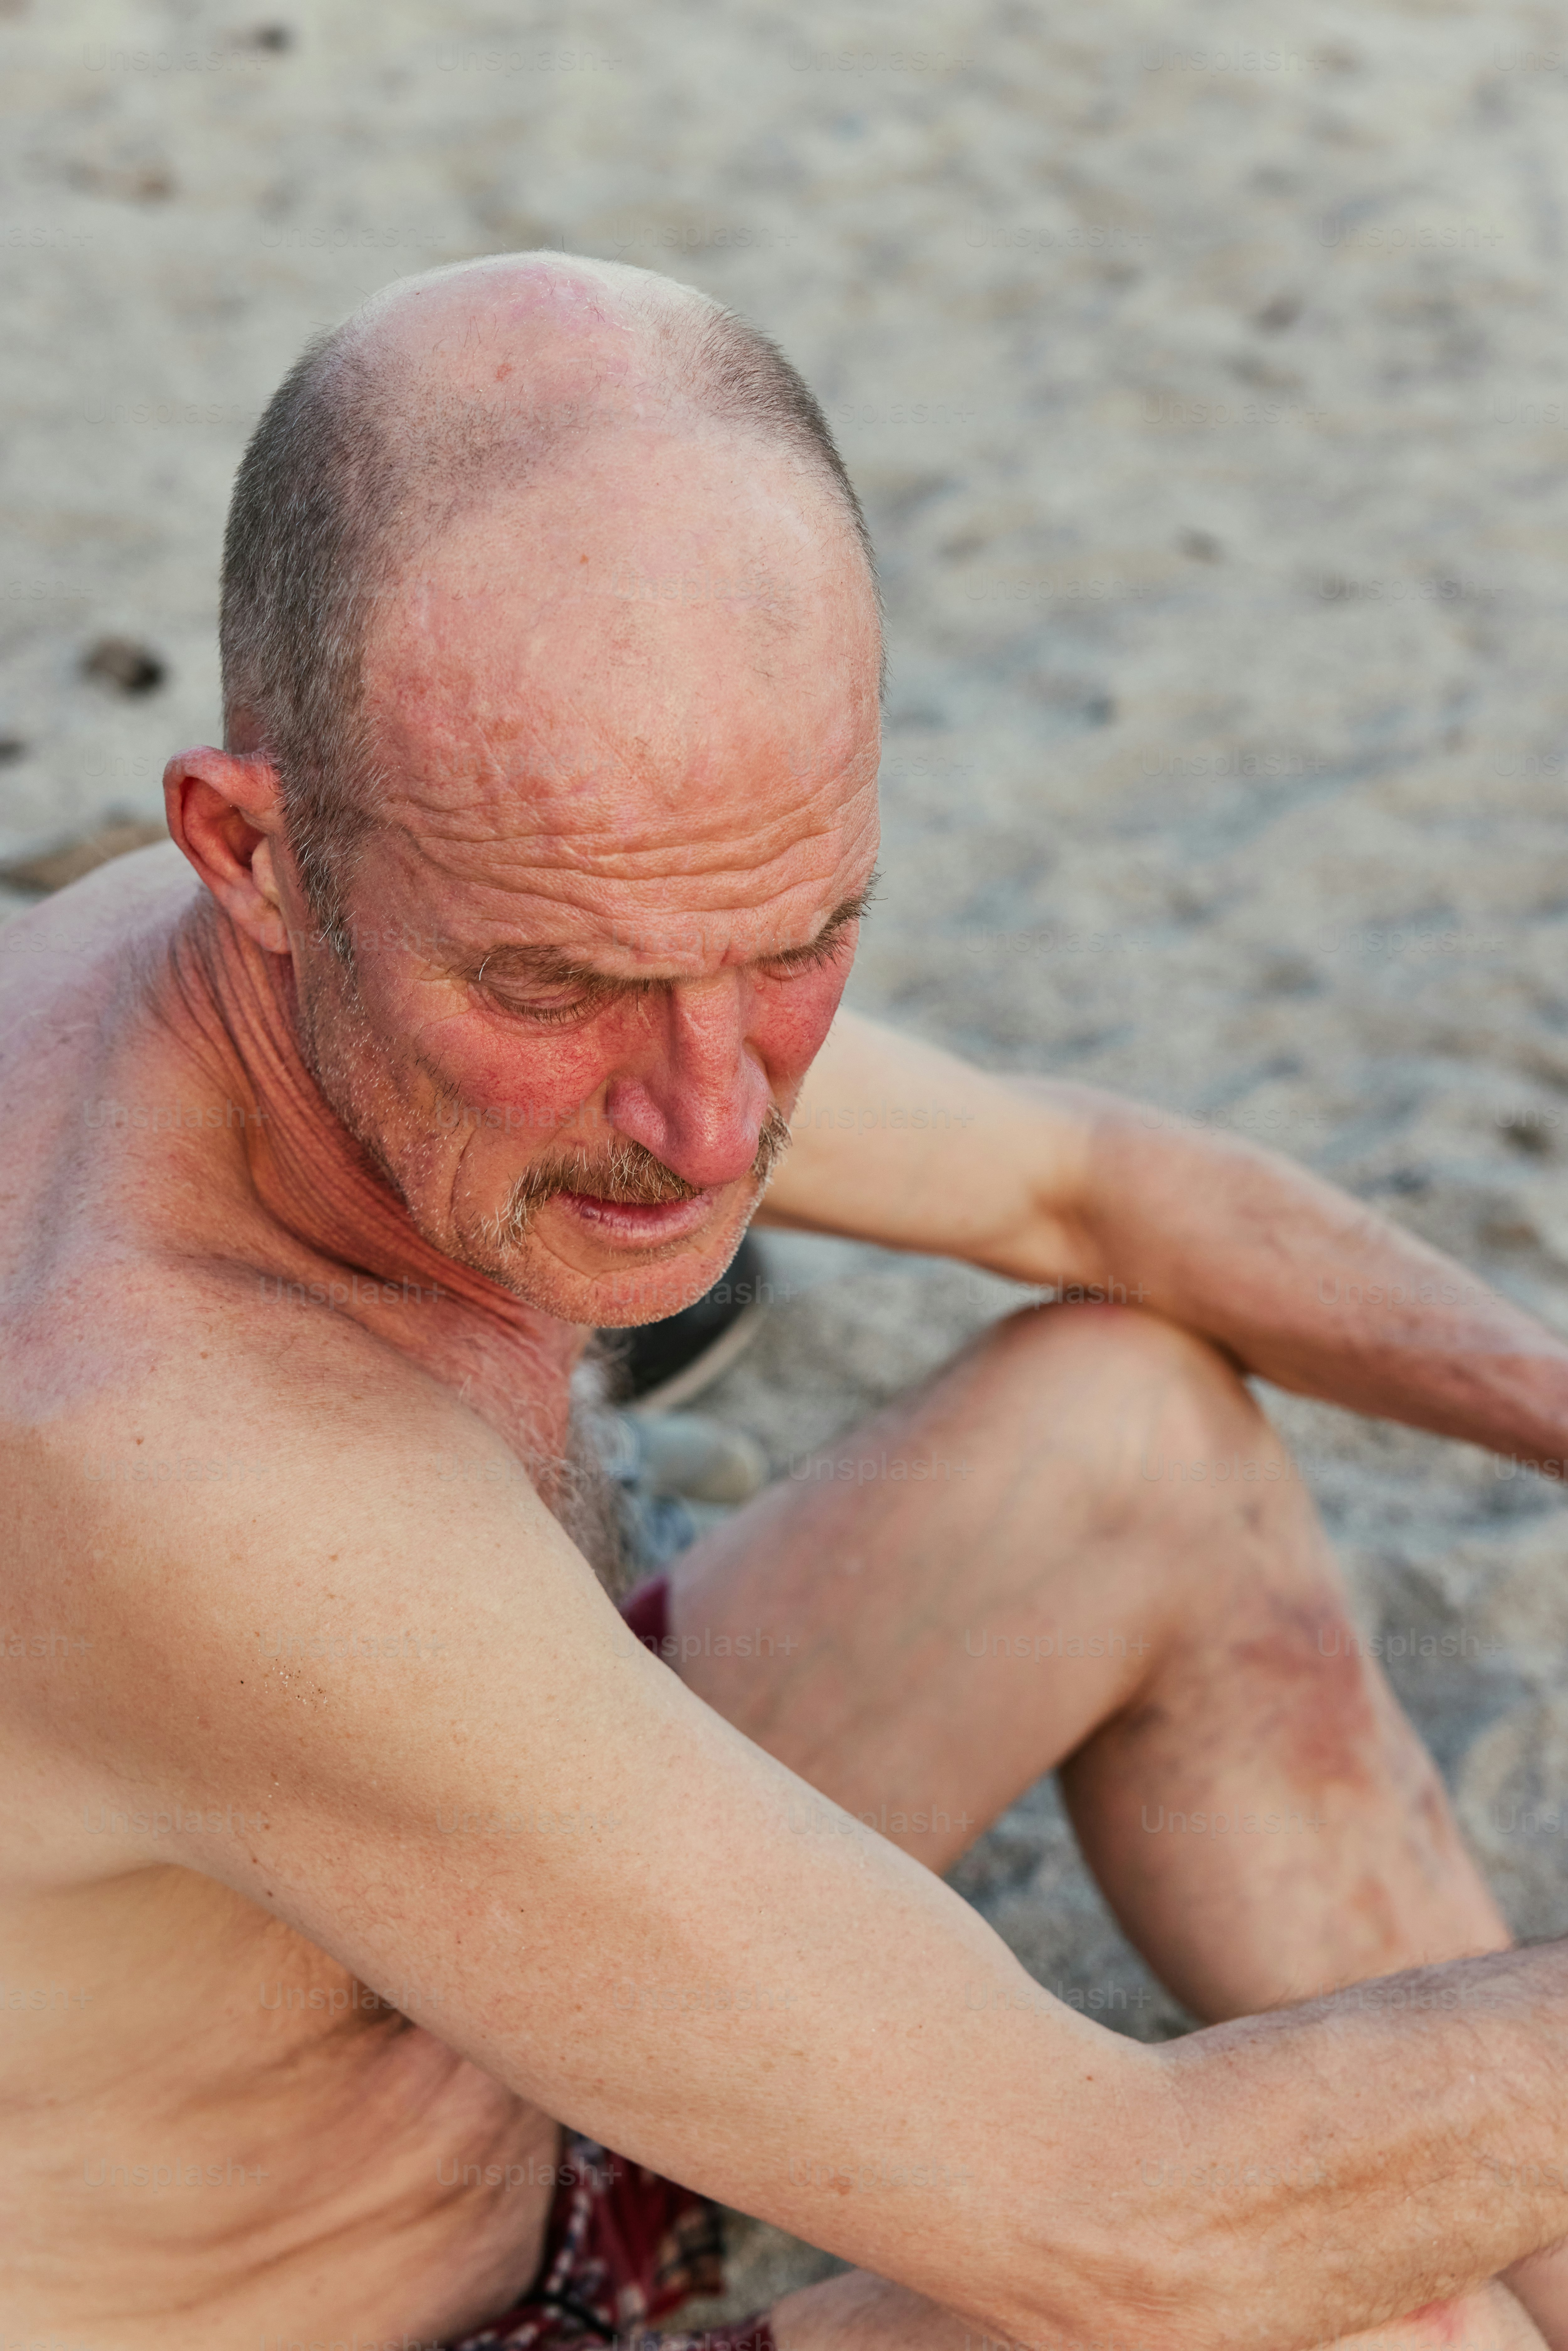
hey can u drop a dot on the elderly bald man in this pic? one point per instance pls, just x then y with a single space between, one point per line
400 1950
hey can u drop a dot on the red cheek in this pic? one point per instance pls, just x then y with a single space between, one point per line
791 1022
546 1075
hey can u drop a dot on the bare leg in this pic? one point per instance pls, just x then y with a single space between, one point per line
1050 1592
1062 1576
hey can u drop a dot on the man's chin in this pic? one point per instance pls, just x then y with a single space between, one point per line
614 1268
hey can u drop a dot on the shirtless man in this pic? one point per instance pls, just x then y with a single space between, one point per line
353 1844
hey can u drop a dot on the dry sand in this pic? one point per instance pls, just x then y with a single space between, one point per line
1209 404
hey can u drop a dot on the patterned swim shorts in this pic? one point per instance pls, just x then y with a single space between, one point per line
623 2247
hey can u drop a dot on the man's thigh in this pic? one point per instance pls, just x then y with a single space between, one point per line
943 1605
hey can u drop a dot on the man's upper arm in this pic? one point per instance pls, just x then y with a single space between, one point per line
896 1141
454 1769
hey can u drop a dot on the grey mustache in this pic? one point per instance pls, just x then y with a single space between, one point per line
627 1173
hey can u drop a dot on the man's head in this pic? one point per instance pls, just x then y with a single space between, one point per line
550 660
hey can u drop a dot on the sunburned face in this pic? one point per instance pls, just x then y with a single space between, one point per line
607 915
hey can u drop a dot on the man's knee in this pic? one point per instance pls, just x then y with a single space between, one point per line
1177 1455
1489 2319
1116 1337
1163 1415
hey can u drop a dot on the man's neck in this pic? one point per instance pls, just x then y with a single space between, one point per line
311 1175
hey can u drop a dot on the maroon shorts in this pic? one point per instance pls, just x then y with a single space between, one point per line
647 1610
623 2248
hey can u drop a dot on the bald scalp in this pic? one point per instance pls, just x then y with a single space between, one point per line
441 393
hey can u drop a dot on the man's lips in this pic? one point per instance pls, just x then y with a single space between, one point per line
637 1222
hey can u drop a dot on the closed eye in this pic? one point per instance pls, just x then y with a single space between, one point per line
556 992
830 942
548 1015
554 1007
820 951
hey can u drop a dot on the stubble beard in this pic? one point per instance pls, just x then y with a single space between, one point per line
338 1049
337 1046
623 1173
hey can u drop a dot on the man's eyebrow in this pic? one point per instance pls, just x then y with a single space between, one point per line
550 967
546 967
848 909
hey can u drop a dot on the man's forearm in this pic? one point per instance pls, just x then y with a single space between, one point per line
1282 2181
1310 2176
1363 2156
1313 1292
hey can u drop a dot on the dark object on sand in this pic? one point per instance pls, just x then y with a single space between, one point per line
124 665
667 1364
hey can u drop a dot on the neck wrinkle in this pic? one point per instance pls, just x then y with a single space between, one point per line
309 1173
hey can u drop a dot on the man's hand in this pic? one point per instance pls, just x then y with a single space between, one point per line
1066 1187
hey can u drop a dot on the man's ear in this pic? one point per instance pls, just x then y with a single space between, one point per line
226 812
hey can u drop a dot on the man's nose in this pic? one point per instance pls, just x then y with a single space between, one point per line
698 1095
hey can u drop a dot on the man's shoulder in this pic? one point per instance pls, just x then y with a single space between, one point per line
173 1388
169 1323
234 1500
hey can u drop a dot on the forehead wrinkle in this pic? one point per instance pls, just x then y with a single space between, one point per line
541 751
613 841
620 900
738 879
536 896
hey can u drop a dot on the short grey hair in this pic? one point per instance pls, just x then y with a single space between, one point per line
329 492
